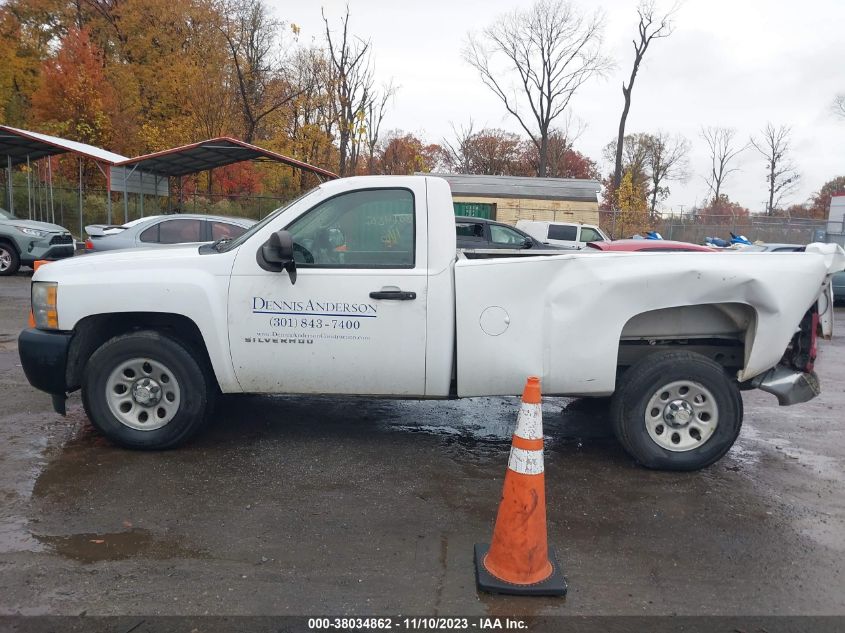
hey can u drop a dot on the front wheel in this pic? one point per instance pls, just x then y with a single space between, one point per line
10 261
676 411
146 391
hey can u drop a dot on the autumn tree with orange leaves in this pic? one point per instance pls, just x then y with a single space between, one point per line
74 99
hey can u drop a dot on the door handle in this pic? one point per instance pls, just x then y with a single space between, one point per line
393 295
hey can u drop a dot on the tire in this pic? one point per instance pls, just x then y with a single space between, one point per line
10 261
146 391
676 411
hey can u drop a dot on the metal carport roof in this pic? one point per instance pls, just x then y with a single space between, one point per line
209 154
522 187
18 145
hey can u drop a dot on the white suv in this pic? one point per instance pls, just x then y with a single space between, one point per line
566 234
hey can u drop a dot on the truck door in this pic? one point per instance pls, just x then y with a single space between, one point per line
355 320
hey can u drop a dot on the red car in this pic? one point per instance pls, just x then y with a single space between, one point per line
649 246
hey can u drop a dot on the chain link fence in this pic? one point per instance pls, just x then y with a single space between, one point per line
61 205
695 229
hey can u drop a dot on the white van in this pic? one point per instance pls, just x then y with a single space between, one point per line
566 234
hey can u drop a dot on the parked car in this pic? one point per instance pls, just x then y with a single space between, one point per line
387 307
570 235
483 233
22 242
157 230
650 246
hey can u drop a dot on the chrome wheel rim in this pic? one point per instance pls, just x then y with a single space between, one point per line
143 394
5 259
681 416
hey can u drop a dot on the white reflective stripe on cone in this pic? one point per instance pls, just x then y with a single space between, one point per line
529 424
525 462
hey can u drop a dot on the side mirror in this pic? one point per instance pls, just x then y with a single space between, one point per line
276 254
527 243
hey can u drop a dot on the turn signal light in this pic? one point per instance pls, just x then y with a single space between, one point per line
44 305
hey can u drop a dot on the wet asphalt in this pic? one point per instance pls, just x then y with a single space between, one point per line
314 506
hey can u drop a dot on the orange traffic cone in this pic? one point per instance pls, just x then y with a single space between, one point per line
518 560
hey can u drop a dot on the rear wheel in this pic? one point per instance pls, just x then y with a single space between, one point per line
146 391
10 261
676 411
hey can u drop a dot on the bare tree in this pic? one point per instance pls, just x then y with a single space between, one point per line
551 50
253 38
839 105
666 157
774 145
650 27
352 90
376 109
457 154
723 150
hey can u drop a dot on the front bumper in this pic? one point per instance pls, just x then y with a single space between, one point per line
44 361
48 252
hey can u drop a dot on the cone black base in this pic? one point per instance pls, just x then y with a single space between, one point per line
554 585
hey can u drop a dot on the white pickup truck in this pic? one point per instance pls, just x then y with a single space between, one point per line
357 288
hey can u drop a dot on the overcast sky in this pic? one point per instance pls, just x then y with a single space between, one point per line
736 63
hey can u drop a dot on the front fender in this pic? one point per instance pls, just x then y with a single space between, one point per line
178 281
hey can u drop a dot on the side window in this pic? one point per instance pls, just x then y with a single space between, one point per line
563 232
360 229
504 235
179 231
220 230
150 234
469 230
590 235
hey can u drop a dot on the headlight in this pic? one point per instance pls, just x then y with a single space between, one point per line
33 232
44 305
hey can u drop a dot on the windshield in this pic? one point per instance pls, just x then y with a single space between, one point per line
227 246
5 214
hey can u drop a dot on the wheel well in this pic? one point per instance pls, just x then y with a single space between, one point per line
722 332
10 242
91 332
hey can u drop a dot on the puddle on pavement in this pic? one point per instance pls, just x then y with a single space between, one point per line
22 455
494 419
94 547
473 427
